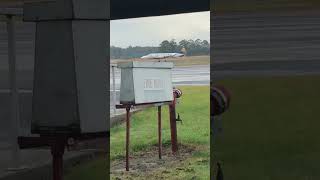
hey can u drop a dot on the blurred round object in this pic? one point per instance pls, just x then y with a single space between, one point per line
71 141
220 100
177 92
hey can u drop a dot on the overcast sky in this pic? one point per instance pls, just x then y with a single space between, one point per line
151 31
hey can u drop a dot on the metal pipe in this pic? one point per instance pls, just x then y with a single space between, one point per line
114 97
173 125
127 138
14 89
159 132
57 151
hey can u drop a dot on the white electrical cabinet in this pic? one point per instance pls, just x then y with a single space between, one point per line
145 82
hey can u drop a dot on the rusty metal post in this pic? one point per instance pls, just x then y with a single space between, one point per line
159 132
127 137
173 125
57 151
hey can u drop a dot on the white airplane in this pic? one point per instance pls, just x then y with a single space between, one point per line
162 55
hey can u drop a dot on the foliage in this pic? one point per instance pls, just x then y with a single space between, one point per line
192 47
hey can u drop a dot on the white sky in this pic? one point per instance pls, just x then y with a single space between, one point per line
151 31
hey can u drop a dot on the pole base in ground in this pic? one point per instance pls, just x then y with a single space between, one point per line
159 132
173 127
57 151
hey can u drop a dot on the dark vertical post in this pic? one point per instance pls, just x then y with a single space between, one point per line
57 151
173 125
127 137
159 131
14 89
211 141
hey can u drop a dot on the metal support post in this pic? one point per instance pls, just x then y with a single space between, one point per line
127 138
159 131
173 126
57 151
114 97
14 90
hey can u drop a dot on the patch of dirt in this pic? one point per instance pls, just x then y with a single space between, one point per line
144 163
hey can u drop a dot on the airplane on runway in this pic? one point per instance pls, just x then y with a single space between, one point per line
162 55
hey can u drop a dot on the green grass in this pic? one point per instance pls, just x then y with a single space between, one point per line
95 170
194 111
194 132
267 5
271 130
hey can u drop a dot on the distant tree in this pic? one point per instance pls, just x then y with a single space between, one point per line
169 46
184 51
184 44
205 44
174 46
206 47
165 46
198 42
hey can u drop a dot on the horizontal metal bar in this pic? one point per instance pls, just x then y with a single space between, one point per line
21 2
20 91
15 8
43 141
123 106
3 17
11 11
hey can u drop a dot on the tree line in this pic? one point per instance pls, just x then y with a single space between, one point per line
188 47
